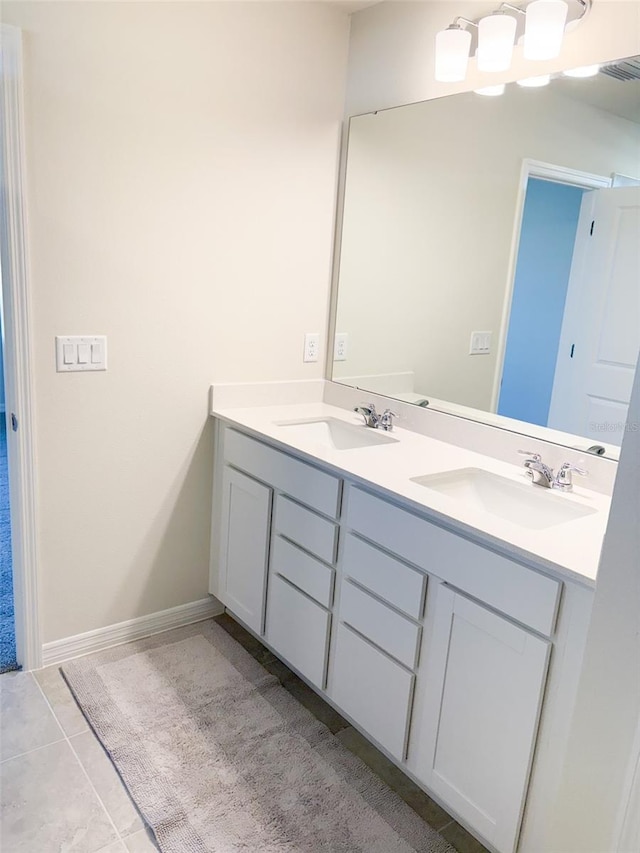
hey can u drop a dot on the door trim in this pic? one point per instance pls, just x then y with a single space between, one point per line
18 360
548 172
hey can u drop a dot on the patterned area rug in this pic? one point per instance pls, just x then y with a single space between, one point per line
7 626
218 756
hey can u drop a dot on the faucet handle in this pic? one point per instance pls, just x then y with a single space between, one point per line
533 457
563 477
386 420
567 466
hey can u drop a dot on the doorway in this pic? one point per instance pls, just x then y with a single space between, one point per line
545 250
17 368
8 660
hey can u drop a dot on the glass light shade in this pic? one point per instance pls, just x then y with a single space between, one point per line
535 82
583 71
490 91
544 28
496 34
452 54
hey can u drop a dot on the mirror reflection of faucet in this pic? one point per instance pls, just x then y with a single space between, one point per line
373 419
541 474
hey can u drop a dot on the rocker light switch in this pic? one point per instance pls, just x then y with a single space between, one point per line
480 343
81 352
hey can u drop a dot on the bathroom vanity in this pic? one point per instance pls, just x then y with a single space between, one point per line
446 633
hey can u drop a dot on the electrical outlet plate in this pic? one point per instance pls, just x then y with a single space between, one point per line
340 346
311 346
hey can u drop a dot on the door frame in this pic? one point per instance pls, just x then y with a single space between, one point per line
547 172
18 364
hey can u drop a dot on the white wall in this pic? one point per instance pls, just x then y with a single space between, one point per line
391 57
431 196
181 162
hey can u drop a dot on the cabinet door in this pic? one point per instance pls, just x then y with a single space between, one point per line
244 547
480 715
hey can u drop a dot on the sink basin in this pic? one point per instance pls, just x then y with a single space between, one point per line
520 503
336 434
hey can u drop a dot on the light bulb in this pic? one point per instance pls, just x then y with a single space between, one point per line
583 71
544 28
535 82
452 54
496 34
490 91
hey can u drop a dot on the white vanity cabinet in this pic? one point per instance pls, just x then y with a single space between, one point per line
436 647
480 683
274 547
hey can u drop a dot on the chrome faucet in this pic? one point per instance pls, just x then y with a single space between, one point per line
373 419
542 475
538 472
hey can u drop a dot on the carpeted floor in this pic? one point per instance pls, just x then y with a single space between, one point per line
7 629
217 755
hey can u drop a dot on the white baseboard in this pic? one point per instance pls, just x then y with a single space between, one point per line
133 629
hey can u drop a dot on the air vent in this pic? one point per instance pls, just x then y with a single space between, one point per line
628 69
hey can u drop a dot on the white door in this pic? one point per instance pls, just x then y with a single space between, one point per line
244 547
600 336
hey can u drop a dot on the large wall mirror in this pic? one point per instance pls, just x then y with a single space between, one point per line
490 256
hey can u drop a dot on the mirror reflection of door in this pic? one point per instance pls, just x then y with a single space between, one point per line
566 365
600 337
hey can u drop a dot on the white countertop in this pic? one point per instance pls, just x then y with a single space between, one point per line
571 549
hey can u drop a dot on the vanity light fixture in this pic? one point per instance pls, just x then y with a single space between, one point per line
583 71
541 24
535 82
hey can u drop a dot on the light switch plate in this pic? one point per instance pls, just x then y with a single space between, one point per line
81 352
480 343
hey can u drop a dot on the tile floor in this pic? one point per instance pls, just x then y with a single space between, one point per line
60 792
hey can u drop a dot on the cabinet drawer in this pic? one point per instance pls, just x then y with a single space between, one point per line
304 571
392 580
313 487
373 690
516 590
305 528
383 626
298 629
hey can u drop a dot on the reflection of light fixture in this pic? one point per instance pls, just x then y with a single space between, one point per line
583 71
539 23
452 54
544 28
535 82
496 34
490 91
